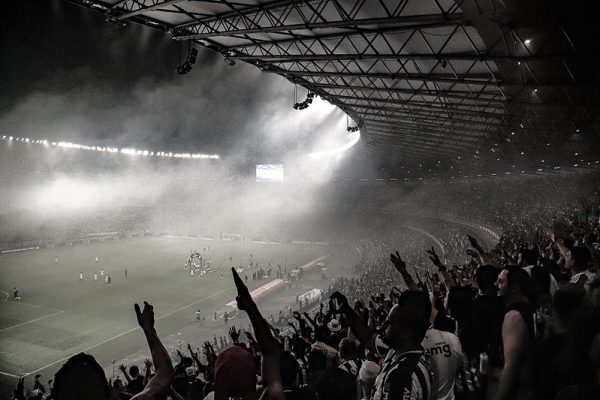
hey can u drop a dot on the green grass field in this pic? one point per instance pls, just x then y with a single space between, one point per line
59 315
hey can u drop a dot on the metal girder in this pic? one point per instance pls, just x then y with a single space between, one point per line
498 116
261 8
447 94
300 38
454 130
418 56
467 79
139 7
432 119
446 107
205 31
470 79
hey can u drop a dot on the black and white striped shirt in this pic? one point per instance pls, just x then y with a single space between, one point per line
404 376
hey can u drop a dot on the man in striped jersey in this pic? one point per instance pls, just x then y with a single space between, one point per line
406 372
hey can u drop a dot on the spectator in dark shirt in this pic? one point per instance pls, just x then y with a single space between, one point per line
290 378
545 357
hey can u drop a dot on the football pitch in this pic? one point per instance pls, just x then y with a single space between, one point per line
60 315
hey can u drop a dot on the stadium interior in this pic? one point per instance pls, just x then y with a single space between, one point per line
300 199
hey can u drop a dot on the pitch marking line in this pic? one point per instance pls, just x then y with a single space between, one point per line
120 334
6 300
33 320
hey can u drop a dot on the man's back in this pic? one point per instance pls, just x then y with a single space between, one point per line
446 358
404 376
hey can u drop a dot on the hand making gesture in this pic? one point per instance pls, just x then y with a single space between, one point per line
234 334
398 262
145 318
243 298
435 259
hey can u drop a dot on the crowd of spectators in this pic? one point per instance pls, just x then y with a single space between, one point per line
517 321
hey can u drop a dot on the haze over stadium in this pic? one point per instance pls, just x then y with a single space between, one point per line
337 157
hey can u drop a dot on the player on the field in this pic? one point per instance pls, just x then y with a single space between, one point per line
198 316
108 279
81 276
95 276
125 273
55 260
16 294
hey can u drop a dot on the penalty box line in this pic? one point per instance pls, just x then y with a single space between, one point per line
119 335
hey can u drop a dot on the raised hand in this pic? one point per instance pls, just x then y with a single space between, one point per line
192 353
148 363
234 334
435 259
399 264
122 367
209 352
473 242
146 317
243 298
297 315
342 301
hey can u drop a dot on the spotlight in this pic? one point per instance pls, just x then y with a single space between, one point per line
193 55
190 60
303 105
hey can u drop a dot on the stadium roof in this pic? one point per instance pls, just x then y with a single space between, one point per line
425 79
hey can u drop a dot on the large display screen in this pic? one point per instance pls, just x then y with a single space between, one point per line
269 173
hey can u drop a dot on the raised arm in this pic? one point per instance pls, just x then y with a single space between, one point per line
448 280
565 252
147 371
194 356
268 345
359 328
234 335
159 384
309 319
400 266
483 256
123 369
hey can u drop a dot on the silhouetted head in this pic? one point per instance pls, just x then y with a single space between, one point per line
81 377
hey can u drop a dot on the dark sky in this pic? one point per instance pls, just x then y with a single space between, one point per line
67 74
